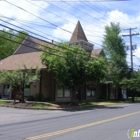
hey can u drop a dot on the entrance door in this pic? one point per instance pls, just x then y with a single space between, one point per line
78 94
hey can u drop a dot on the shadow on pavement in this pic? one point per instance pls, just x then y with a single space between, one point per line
92 108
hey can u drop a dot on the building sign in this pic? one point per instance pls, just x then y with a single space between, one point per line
18 96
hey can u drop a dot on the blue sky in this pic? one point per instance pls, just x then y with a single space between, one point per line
94 16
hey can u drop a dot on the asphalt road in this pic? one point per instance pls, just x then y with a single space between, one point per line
111 123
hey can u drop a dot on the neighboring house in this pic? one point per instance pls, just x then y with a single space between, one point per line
30 56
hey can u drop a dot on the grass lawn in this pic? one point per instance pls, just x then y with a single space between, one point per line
88 102
42 105
26 104
104 102
2 102
137 99
94 103
55 105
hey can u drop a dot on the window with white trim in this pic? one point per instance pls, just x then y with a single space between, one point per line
91 91
27 91
62 91
6 90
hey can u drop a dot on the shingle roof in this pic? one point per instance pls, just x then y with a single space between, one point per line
17 61
31 59
30 44
97 52
78 34
41 42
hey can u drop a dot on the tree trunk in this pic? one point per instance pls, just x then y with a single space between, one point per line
23 86
22 94
133 97
119 92
73 94
108 88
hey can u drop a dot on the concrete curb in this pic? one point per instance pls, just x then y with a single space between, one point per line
65 109
57 107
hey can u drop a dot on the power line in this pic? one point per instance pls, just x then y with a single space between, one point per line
53 13
115 14
45 20
84 0
82 12
78 9
26 21
26 30
37 16
78 52
40 40
69 13
39 23
131 46
36 48
18 21
29 46
75 15
92 7
31 40
31 28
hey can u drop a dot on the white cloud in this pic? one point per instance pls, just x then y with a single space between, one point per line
8 10
63 34
94 29
125 20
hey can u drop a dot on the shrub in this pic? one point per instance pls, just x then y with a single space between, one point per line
39 97
31 98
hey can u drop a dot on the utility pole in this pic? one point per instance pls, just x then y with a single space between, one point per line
131 51
131 46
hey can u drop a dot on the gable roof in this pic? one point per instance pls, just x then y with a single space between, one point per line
30 44
96 52
14 62
31 59
78 33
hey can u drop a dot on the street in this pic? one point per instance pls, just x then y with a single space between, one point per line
110 123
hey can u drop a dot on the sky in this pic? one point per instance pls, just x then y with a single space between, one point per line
56 19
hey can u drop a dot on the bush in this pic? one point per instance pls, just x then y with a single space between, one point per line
46 99
31 98
39 97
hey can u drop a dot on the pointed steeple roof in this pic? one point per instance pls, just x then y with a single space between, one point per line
78 33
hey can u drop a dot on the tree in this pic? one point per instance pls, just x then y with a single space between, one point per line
19 79
72 66
114 47
7 47
132 83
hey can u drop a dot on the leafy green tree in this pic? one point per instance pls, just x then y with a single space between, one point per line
19 79
132 83
114 47
73 66
7 47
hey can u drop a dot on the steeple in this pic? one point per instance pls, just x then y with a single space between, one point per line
78 34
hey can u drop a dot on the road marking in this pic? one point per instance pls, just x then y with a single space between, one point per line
80 127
